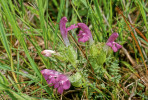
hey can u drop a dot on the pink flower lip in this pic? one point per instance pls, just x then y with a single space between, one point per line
83 37
84 34
110 42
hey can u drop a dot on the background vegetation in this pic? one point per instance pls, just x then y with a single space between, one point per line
29 26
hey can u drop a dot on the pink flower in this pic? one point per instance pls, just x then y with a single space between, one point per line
65 30
59 80
47 53
110 42
62 83
83 37
84 34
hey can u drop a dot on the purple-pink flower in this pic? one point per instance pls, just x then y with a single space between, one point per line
84 34
65 30
82 37
62 83
56 79
111 42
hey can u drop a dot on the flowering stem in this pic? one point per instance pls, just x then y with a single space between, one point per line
66 41
80 48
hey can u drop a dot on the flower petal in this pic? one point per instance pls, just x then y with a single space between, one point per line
109 44
66 85
87 36
44 71
48 74
45 76
118 46
84 38
56 85
64 30
112 37
114 48
80 33
51 81
85 29
71 27
60 89
48 71
61 77
63 26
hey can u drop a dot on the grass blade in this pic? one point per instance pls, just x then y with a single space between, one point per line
137 44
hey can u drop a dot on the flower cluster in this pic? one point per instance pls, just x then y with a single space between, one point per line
56 79
85 34
59 80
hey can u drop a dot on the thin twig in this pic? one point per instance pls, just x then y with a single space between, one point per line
136 35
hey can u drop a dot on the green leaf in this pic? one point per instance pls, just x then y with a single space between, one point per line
71 55
4 38
76 79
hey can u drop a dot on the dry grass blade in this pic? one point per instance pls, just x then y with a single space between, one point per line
140 33
139 49
129 57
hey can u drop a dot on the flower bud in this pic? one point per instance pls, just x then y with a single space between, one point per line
47 53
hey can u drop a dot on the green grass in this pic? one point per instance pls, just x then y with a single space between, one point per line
28 27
